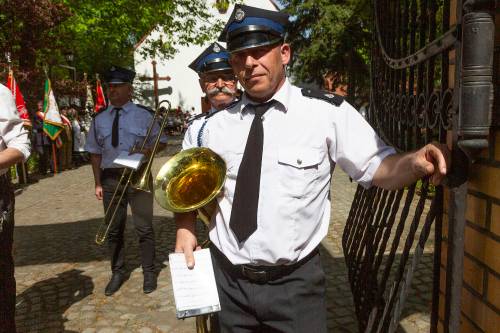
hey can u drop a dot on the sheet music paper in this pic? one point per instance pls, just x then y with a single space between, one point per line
195 291
132 161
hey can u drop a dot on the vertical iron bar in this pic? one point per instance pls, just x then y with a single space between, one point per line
438 235
456 209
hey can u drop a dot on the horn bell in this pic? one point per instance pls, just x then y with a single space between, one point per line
190 180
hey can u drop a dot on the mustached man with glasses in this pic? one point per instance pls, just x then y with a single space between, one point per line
218 82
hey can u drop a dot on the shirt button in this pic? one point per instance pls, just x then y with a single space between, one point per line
299 161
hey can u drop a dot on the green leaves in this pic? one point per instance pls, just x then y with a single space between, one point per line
330 36
99 32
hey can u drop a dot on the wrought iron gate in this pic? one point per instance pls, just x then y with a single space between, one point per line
431 81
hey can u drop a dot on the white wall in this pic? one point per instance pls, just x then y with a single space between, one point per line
186 90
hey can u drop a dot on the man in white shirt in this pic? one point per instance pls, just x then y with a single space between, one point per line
218 82
14 148
279 143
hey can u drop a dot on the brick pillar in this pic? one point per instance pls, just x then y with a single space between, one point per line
481 290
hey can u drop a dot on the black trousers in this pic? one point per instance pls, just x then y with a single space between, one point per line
7 281
292 303
141 204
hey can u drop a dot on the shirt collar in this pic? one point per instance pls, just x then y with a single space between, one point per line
125 107
282 96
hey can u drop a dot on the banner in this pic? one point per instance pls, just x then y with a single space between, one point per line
100 99
18 97
52 122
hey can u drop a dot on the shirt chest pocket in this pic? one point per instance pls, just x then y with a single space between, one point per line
136 135
103 136
299 169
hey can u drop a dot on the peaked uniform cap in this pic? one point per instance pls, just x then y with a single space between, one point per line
214 58
119 75
249 27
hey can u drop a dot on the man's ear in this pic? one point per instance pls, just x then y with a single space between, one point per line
285 52
130 90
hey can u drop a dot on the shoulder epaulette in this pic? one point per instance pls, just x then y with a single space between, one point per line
324 95
145 108
99 111
198 116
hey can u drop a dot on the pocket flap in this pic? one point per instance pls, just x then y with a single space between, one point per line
103 132
299 158
138 131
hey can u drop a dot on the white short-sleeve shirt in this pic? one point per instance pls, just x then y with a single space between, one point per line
12 132
303 138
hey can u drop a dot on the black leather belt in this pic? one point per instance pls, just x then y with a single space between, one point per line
260 274
112 172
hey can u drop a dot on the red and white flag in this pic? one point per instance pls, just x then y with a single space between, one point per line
100 99
18 96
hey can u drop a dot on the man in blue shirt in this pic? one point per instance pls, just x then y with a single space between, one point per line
114 130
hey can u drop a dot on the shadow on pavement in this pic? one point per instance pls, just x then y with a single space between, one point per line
74 242
43 304
340 304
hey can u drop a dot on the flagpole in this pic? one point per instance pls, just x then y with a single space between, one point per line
54 157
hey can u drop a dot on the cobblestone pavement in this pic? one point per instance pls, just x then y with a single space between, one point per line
61 272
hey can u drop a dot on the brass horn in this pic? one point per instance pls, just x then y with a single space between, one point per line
138 179
190 181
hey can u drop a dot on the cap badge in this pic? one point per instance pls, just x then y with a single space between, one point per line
330 95
216 48
239 15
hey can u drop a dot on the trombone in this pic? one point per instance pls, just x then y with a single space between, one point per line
138 179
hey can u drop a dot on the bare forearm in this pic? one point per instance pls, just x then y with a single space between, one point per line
9 157
95 160
399 170
395 172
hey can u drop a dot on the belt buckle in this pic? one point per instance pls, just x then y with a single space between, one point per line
254 275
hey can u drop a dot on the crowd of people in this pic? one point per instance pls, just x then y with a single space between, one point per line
69 149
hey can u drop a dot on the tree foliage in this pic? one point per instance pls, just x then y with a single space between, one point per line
40 33
330 37
106 31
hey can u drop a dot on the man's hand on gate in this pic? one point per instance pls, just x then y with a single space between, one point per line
432 160
98 192
399 170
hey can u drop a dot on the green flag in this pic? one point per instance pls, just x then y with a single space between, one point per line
52 122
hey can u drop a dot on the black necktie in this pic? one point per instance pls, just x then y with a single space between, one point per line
243 220
114 134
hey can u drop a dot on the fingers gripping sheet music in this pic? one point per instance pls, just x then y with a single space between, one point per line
195 291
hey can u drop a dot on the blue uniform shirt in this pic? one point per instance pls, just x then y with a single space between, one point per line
133 125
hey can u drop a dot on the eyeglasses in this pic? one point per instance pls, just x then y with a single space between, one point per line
213 78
